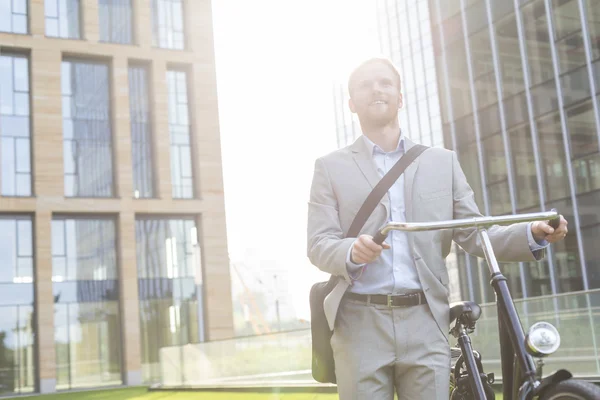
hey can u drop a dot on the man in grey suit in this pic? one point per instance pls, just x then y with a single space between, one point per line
378 348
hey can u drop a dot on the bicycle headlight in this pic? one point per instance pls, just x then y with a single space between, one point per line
542 339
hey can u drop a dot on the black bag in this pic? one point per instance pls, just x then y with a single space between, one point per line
323 366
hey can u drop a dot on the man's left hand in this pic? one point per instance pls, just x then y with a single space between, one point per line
542 230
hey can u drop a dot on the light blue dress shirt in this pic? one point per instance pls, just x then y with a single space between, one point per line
394 272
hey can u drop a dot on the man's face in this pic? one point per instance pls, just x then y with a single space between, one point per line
375 94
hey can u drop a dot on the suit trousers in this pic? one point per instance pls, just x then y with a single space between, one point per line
379 350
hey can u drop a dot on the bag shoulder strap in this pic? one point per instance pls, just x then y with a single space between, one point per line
382 187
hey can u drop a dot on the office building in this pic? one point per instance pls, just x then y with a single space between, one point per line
112 221
512 87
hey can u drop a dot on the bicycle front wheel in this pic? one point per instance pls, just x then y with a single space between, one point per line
572 389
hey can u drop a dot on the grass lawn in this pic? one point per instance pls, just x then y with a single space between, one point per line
144 394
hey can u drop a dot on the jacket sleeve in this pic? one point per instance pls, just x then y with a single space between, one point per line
510 243
326 246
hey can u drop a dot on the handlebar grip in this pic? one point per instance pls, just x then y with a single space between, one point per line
554 222
379 238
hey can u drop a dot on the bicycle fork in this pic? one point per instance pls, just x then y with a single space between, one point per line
464 341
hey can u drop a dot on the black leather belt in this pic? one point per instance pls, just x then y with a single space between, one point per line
403 300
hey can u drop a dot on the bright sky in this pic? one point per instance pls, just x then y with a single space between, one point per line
276 61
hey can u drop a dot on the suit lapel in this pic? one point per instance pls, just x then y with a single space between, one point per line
363 159
366 165
409 178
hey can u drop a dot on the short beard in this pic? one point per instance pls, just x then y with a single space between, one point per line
375 123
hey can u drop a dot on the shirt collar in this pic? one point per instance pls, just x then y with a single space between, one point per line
372 147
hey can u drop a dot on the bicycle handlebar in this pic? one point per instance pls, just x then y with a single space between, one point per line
477 222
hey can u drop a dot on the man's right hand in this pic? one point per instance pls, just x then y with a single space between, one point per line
365 250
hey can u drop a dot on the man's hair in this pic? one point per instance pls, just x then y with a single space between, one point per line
373 60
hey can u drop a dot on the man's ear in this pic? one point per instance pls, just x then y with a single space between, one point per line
400 101
351 105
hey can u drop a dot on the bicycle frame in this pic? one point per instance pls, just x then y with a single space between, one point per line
518 367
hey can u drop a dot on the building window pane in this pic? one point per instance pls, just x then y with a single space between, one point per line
141 133
496 175
62 18
13 16
509 57
582 130
476 16
544 98
179 130
553 157
587 173
87 143
167 23
458 79
583 139
115 21
537 42
170 288
16 310
567 266
565 16
571 52
495 160
593 20
524 167
87 328
15 125
591 238
575 86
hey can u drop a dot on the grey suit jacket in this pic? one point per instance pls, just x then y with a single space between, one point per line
435 189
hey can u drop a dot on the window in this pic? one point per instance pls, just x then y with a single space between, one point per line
496 175
170 287
538 42
509 57
591 238
554 163
141 132
13 16
115 21
16 310
593 21
167 24
88 170
523 159
86 320
15 125
568 35
62 18
584 147
458 79
179 130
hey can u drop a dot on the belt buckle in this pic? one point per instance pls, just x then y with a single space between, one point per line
389 301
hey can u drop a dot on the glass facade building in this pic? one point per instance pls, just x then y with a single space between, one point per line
405 37
517 87
103 177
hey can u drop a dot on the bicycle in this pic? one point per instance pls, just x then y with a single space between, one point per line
522 377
